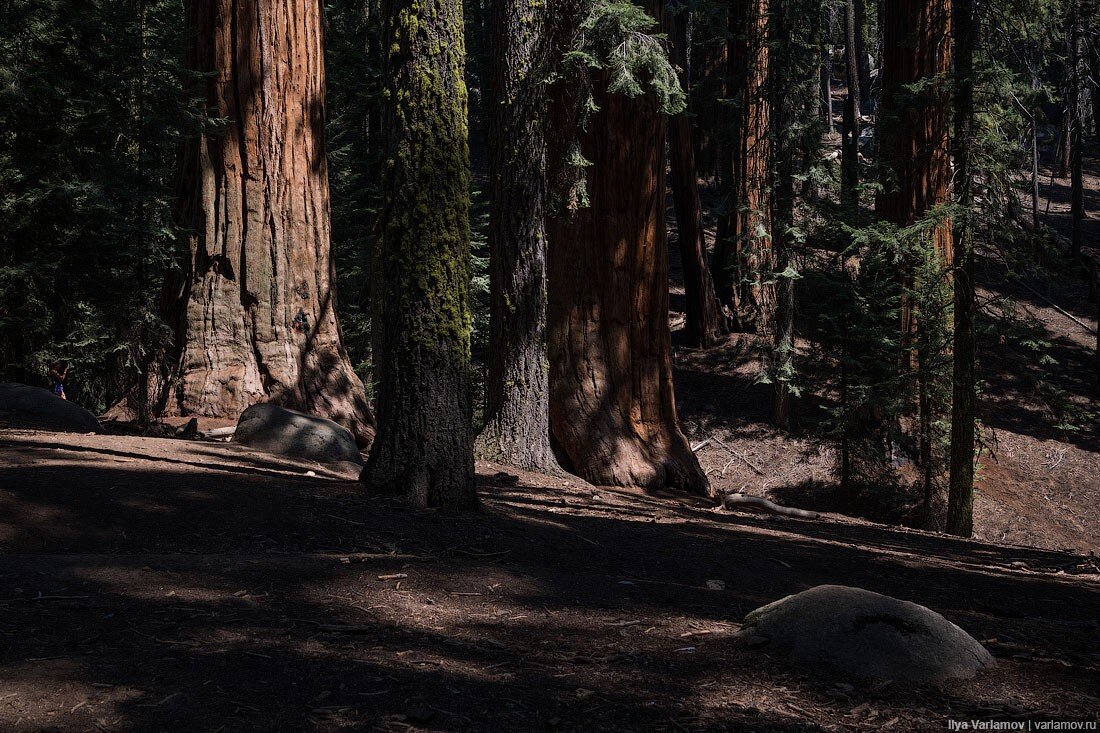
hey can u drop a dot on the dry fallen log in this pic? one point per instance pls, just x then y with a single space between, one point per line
743 501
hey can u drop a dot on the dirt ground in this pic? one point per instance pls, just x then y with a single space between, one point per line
168 585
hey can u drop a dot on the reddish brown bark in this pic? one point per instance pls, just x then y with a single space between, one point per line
612 410
913 132
914 119
255 316
743 253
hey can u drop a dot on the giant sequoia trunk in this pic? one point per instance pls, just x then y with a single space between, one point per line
612 411
255 317
743 254
913 146
517 427
421 268
704 320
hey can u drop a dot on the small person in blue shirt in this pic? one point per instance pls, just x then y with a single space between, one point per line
58 370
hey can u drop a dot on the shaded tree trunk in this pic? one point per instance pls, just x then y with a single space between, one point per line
850 134
255 313
1073 110
913 145
424 446
743 252
705 322
789 92
612 410
827 72
863 61
517 428
960 493
708 68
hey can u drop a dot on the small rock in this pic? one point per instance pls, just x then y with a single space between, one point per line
716 585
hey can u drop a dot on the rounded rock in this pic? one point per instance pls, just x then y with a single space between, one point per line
39 409
833 629
284 432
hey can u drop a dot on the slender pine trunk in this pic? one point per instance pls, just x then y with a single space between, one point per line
850 140
960 494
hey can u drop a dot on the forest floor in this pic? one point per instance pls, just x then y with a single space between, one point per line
151 584
168 585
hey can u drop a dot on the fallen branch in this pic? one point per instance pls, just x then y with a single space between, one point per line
737 501
1055 306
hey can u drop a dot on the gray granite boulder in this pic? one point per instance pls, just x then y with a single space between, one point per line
275 429
39 409
834 629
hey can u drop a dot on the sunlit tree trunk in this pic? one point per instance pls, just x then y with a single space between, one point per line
255 313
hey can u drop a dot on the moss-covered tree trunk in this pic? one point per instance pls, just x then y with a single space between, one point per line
913 127
743 254
255 313
704 320
517 426
421 267
612 410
